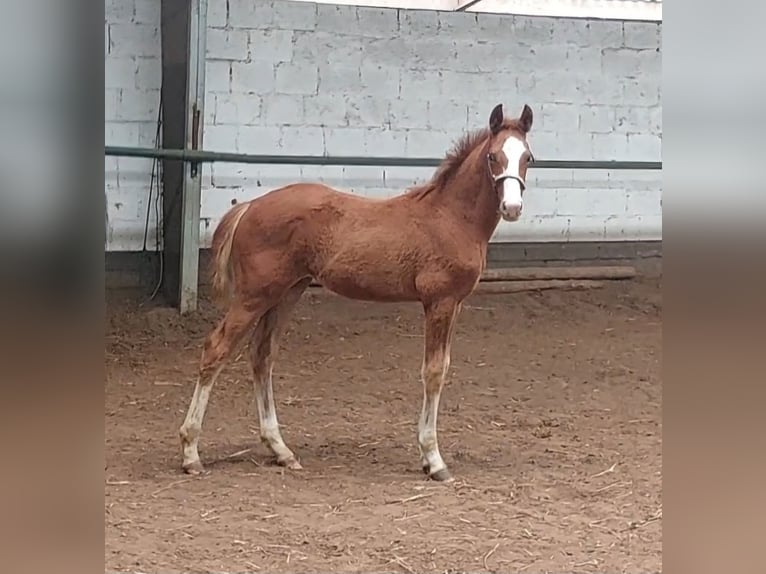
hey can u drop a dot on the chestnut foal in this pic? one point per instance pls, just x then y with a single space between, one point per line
428 245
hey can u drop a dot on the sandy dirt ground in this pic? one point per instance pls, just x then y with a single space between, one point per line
550 424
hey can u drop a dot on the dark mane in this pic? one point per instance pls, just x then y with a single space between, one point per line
455 158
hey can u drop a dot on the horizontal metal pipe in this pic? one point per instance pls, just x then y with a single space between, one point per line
199 156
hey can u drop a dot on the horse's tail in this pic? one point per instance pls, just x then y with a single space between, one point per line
223 237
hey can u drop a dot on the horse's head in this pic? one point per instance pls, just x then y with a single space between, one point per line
508 158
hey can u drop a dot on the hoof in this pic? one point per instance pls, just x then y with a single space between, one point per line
442 475
291 463
194 468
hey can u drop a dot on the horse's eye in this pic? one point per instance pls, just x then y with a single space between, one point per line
492 157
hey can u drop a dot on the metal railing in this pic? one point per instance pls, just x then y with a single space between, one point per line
199 156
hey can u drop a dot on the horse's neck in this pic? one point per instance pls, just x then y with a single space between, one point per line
472 198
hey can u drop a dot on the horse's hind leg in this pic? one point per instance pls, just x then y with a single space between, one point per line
218 347
263 350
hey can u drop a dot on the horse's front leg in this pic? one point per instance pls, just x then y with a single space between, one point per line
440 317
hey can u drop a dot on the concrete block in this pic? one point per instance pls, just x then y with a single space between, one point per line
644 91
385 143
588 202
415 84
453 82
227 44
391 52
399 179
301 140
547 57
574 145
282 109
585 60
377 22
110 167
238 109
367 111
119 11
296 78
597 119
217 77
250 14
428 143
558 117
419 23
120 73
331 175
121 134
234 175
607 147
340 79
635 180
498 26
632 120
138 105
645 147
645 202
592 178
605 33
476 56
461 25
135 172
533 30
641 35
651 62
336 18
559 87
147 134
325 110
539 202
294 15
362 176
124 204
209 102
131 40
621 63
147 12
638 227
655 120
256 77
577 32
148 73
408 114
220 138
344 141
381 81
447 115
259 139
271 45
432 53
600 89
217 13
550 178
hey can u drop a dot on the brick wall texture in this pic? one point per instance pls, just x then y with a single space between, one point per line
303 78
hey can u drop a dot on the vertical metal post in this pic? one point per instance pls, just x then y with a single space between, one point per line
192 183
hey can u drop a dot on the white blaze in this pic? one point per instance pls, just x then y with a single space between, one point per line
513 149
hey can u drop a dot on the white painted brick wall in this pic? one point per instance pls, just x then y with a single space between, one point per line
132 74
294 77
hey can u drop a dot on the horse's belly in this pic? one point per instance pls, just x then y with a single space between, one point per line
368 286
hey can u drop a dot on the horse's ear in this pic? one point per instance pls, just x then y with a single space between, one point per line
496 119
525 120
